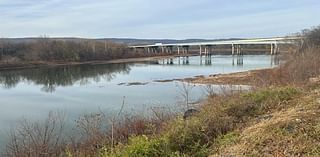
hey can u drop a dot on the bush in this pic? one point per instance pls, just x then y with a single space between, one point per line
188 137
278 94
142 146
261 102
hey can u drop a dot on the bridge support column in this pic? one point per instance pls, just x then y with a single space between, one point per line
232 50
237 49
276 49
271 49
208 50
185 50
171 49
239 52
155 49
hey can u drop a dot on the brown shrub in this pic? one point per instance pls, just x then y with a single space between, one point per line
38 139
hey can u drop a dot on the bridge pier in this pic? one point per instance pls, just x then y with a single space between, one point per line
232 49
274 49
185 50
154 49
162 49
209 50
205 50
170 49
238 50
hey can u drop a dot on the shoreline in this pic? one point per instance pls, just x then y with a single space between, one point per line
236 78
30 65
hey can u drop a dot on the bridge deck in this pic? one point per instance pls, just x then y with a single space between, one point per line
284 40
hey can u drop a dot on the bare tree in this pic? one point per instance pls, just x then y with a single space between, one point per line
38 139
185 89
113 120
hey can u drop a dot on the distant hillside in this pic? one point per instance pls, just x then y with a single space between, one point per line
132 41
127 41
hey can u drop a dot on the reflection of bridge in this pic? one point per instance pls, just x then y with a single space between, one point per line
235 60
207 48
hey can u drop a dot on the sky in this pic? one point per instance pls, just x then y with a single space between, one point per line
157 19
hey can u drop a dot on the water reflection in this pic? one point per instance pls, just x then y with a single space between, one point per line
238 60
275 60
50 78
207 60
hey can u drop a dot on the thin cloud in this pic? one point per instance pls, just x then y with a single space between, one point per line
156 19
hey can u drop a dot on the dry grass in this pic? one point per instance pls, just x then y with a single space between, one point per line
289 132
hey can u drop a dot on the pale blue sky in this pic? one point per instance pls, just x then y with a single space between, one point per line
177 19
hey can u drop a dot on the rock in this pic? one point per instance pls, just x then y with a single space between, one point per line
189 113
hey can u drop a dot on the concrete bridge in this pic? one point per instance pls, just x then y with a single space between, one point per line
207 48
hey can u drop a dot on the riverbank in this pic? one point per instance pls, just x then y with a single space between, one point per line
27 65
237 78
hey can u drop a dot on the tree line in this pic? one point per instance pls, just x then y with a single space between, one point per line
54 50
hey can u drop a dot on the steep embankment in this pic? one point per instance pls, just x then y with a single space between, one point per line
273 121
291 131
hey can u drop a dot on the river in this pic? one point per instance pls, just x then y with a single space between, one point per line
81 89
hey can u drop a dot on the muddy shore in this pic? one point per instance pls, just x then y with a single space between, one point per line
238 78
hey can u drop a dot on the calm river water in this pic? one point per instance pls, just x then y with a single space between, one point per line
76 90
